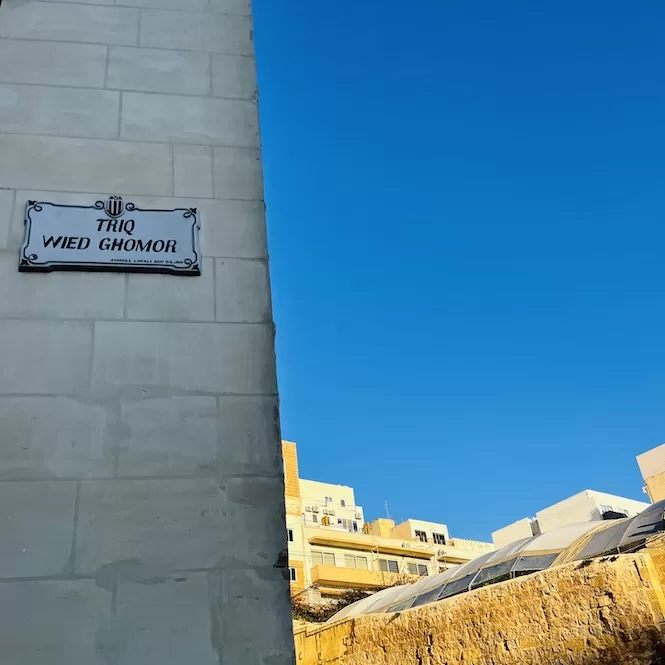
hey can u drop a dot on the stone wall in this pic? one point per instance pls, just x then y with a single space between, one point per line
141 481
607 612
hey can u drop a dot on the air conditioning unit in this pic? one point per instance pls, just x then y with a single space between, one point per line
331 512
441 552
308 509
315 509
358 516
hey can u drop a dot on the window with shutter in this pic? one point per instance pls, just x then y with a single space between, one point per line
388 566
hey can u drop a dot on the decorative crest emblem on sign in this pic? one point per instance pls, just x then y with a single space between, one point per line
114 206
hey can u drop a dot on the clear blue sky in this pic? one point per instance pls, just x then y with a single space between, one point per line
466 209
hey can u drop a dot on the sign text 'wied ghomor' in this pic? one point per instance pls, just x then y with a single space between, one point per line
110 235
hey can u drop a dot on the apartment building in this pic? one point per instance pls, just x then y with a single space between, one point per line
586 506
332 548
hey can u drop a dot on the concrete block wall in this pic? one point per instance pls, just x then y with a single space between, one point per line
141 479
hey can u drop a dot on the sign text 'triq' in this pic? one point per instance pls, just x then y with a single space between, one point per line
111 235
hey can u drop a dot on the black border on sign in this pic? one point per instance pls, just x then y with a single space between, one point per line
193 269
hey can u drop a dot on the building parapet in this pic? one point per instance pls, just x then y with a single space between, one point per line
367 543
347 578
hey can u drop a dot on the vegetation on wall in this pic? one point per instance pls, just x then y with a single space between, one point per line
302 610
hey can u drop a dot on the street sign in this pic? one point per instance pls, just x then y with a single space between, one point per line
111 235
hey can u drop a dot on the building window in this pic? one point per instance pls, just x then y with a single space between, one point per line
388 566
315 518
352 561
347 524
342 503
421 536
419 569
323 559
439 538
328 500
290 535
293 574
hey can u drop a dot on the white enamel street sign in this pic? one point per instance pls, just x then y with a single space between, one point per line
111 235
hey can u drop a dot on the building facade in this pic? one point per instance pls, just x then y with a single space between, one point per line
585 506
652 468
141 480
332 549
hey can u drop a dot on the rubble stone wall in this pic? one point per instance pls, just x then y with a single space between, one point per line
608 611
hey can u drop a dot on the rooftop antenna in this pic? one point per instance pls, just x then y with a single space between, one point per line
387 511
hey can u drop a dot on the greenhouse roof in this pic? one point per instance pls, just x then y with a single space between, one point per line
572 542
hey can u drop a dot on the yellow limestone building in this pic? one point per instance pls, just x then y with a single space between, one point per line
652 468
332 549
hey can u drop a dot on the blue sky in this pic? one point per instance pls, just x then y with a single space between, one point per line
466 212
